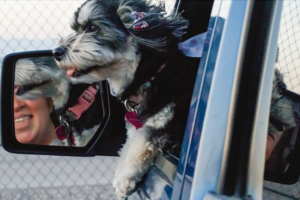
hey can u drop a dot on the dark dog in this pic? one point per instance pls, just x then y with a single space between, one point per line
134 46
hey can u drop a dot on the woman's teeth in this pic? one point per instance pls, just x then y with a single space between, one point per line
22 120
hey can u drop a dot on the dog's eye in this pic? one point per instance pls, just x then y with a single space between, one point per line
93 28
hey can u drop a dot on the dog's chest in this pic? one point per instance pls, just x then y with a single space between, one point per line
160 119
157 121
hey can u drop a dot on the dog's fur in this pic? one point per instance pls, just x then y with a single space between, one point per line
283 110
106 47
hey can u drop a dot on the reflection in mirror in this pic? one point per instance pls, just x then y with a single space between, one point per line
48 110
283 128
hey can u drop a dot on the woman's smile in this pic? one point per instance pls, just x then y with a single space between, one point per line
23 122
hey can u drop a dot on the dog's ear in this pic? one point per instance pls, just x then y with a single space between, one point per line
278 85
74 25
285 111
150 25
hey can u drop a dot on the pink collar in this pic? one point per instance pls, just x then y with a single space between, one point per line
131 115
85 100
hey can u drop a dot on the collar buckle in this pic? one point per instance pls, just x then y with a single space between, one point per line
129 108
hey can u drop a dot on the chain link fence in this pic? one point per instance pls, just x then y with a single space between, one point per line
289 45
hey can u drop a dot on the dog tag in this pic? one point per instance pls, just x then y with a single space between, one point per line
133 119
61 134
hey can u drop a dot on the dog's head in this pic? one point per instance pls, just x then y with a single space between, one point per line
108 36
284 112
40 77
278 85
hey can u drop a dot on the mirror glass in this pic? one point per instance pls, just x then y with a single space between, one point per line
48 110
282 132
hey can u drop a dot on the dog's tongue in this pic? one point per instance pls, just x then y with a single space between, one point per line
70 72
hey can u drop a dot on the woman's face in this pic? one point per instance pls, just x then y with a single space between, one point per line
33 124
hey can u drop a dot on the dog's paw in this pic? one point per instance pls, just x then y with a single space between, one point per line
124 187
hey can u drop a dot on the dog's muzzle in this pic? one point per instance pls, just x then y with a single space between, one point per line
58 53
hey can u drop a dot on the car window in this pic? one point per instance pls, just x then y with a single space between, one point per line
288 62
36 25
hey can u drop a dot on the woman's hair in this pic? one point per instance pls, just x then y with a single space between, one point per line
54 116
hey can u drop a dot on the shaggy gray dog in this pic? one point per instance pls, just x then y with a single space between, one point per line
128 43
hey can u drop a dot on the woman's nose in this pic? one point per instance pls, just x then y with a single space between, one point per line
17 103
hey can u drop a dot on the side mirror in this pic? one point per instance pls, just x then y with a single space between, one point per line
45 114
283 142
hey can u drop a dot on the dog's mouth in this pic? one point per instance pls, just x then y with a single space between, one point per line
20 90
78 73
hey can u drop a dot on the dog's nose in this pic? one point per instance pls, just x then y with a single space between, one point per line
58 53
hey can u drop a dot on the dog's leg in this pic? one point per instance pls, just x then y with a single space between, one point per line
136 157
139 151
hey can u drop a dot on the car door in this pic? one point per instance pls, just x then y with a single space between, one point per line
233 87
238 103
